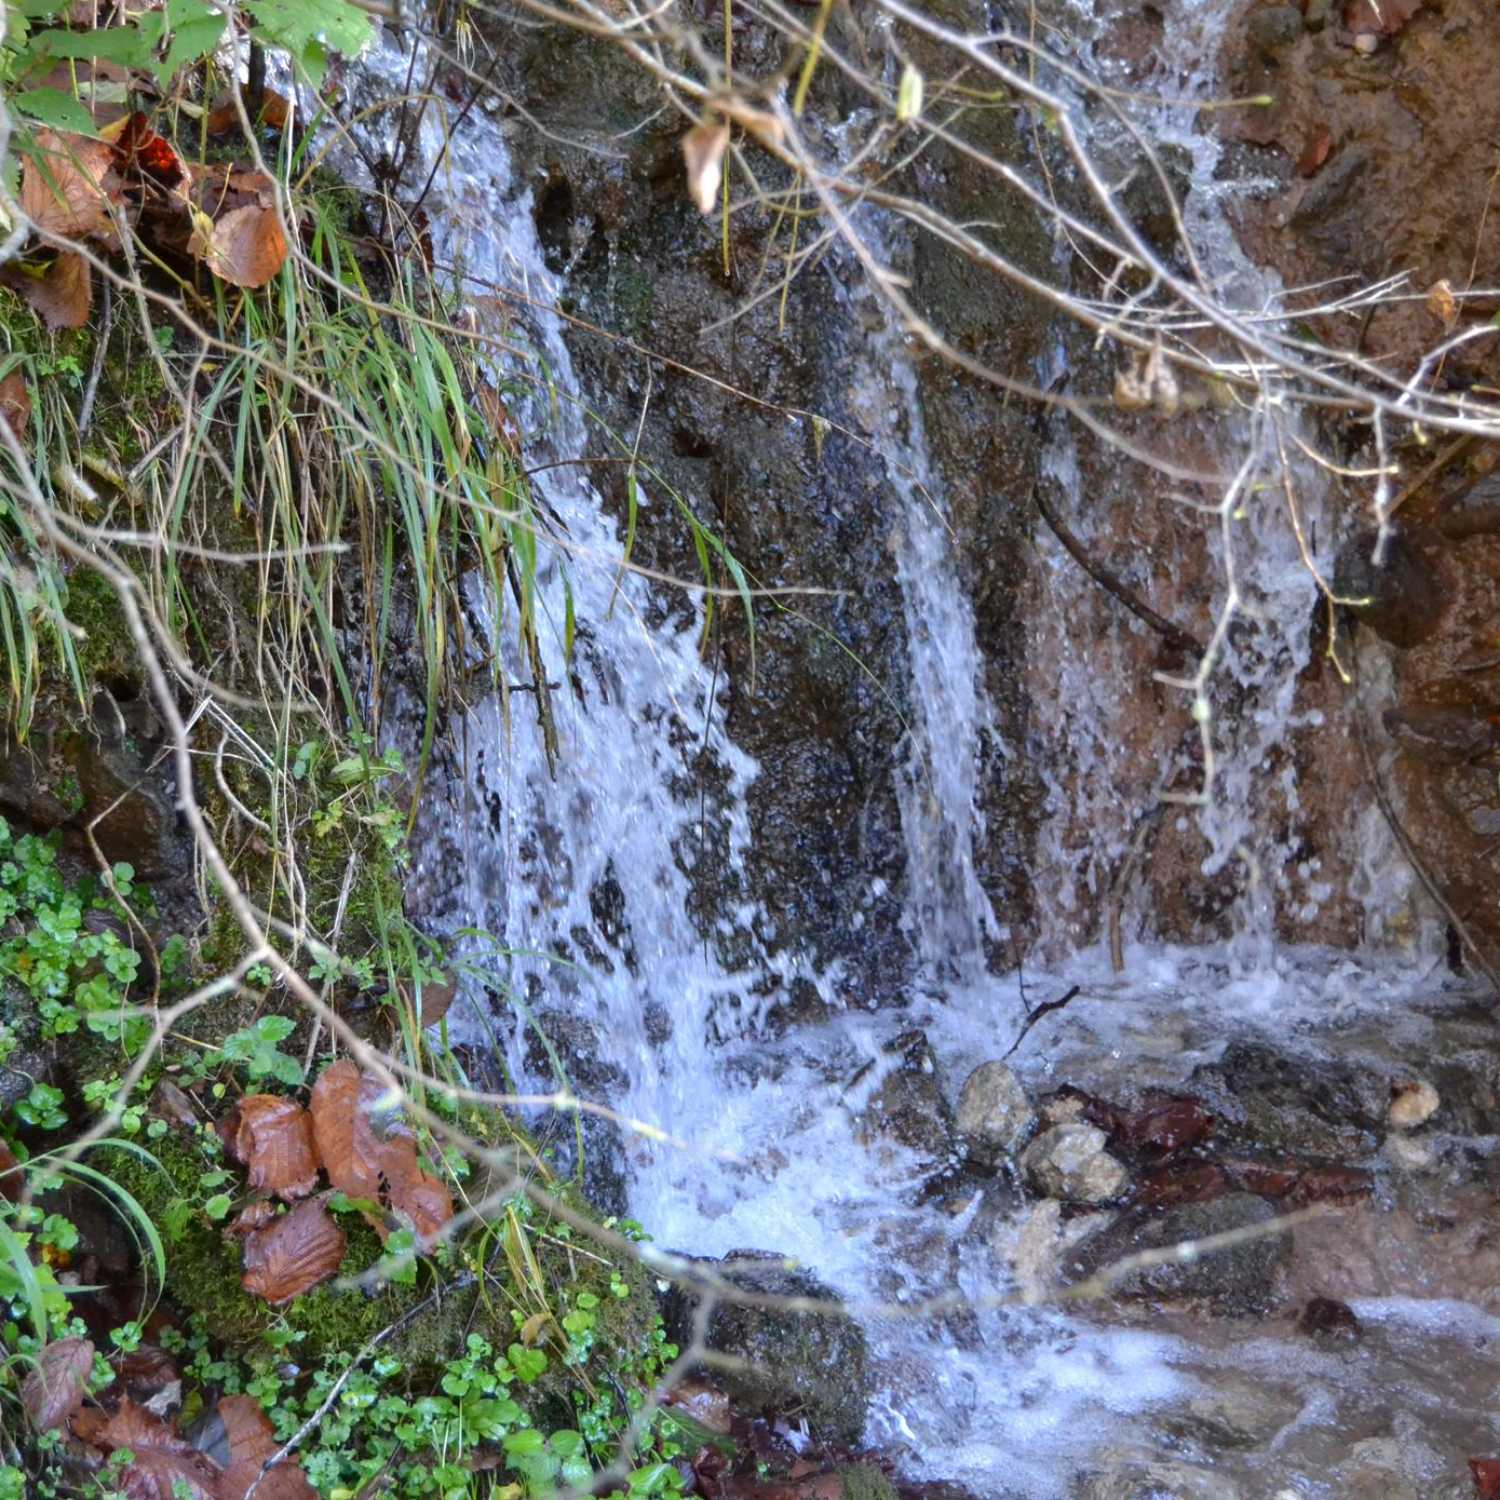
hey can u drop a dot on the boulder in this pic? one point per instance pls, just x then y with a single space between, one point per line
908 1107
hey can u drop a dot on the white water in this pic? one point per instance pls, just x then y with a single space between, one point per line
1017 1400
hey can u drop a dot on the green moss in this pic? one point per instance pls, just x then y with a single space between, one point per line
865 1483
104 648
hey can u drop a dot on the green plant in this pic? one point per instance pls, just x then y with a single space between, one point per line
256 1047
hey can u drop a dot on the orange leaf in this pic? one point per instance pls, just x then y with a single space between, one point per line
274 1138
1315 152
1486 1472
293 1254
247 247
253 1216
224 116
68 186
53 1388
138 149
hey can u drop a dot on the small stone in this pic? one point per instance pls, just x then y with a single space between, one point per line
1070 1162
994 1114
1413 1103
1366 43
1275 27
1329 1322
1408 1155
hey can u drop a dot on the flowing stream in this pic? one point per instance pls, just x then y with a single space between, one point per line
577 882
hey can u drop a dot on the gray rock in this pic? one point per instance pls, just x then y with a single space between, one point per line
1232 1411
1070 1162
797 1364
1274 27
994 1114
1237 1278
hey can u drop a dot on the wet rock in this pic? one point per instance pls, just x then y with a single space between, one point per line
994 1114
1375 1470
1237 1278
1272 1100
1402 598
1443 735
1135 1476
29 1062
909 1106
1233 1411
1070 1162
64 778
793 1363
1329 1322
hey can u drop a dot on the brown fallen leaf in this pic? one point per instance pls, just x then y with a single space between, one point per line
225 116
253 1216
247 247
252 1440
15 403
273 1137
1442 304
61 295
703 150
293 1254
371 1153
54 1386
1486 1472
67 187
164 1466
1315 151
12 1180
1379 17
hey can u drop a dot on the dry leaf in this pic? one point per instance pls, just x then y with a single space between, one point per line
1486 1472
1379 17
247 247
436 997
703 150
225 116
253 1216
370 1157
12 1181
164 1467
1315 152
273 1137
67 188
1442 304
61 295
252 1440
54 1386
15 411
295 1253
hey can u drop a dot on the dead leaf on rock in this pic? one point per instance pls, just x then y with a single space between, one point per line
703 150
1315 152
54 1386
1486 1472
247 247
165 1466
293 1254
61 295
225 116
68 185
1379 17
273 1137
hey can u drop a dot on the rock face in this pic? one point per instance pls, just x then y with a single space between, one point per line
807 1365
1070 1162
909 1107
994 1114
